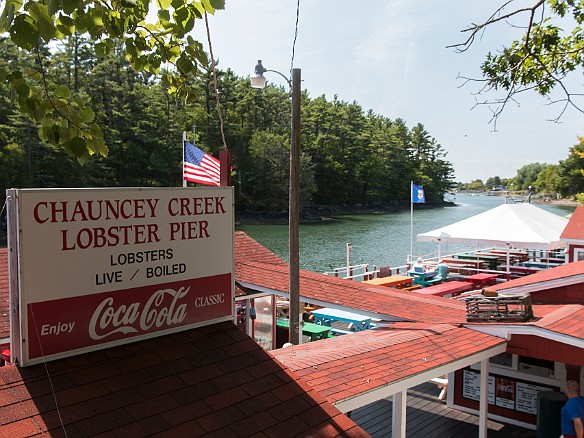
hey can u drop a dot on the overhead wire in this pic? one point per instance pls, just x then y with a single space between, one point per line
295 36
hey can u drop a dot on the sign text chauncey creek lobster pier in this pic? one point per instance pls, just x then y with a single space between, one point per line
119 210
139 262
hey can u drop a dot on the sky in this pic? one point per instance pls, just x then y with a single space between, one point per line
390 56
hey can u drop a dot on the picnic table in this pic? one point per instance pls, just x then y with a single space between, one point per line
424 278
502 257
314 331
556 260
457 264
491 259
515 254
326 316
481 280
449 288
399 281
542 265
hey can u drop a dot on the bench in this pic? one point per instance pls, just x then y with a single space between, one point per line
338 332
441 383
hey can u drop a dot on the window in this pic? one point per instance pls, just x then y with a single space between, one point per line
502 360
578 254
540 367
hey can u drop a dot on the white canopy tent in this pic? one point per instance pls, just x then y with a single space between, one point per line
516 225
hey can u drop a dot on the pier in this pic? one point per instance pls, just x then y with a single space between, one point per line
428 417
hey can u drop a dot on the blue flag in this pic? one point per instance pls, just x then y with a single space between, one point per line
418 194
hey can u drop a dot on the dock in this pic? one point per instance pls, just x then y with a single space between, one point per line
428 417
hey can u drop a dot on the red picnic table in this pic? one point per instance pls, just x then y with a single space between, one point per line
460 265
515 270
481 280
452 288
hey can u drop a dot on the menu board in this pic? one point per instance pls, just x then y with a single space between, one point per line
527 397
471 386
503 391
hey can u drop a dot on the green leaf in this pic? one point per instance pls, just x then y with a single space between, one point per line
22 90
77 146
202 57
199 8
164 15
24 33
33 74
70 5
208 7
7 16
173 52
62 91
83 158
47 29
36 10
97 143
139 63
181 15
218 4
184 64
53 7
34 108
13 76
47 122
101 50
86 114
163 4
65 25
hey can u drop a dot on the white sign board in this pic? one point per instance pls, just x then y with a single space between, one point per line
471 386
527 397
102 267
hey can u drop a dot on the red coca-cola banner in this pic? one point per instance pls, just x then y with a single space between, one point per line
88 320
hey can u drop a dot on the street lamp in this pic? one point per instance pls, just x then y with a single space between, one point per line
259 81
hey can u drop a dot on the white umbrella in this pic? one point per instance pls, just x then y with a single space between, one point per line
517 225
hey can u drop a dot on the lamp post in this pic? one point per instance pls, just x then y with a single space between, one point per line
259 81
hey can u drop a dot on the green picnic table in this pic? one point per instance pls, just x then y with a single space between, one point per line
314 331
492 260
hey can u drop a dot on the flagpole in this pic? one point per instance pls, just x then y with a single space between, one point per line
183 159
411 220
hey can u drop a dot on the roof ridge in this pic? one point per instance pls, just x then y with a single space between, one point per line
559 314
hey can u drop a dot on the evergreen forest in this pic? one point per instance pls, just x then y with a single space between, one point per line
349 157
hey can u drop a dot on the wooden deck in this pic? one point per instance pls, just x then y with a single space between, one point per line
429 417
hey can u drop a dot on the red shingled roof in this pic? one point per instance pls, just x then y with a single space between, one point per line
340 370
210 381
353 294
248 250
575 227
570 272
566 319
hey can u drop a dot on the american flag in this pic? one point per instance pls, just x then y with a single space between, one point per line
200 167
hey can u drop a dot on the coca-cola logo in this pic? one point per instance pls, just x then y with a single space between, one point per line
505 388
108 319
